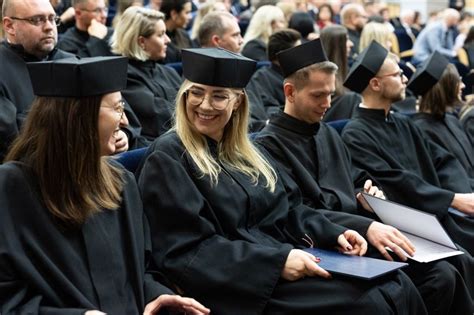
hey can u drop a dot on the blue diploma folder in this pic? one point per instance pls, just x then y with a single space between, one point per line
354 266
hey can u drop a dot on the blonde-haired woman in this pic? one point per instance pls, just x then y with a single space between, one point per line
379 32
151 87
265 21
226 227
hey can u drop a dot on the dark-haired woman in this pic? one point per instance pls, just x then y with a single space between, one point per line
73 236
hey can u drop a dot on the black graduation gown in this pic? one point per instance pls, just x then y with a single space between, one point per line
255 49
318 161
448 133
226 243
82 44
267 83
343 106
173 52
16 92
411 169
467 121
150 92
46 269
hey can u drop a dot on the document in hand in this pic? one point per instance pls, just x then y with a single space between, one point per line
422 229
353 266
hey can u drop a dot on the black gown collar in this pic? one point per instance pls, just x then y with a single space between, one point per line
139 63
375 114
285 121
20 50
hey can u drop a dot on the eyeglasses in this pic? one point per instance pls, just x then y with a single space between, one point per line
39 20
118 107
218 100
399 73
97 10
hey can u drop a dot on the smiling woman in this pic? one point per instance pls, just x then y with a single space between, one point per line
72 219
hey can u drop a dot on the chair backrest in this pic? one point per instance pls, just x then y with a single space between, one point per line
131 159
338 124
177 66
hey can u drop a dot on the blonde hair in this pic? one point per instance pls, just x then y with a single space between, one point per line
375 31
134 22
235 149
260 26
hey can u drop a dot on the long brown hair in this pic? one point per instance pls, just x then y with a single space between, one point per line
443 95
60 143
334 38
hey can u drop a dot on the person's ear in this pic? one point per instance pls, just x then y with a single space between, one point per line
289 90
141 42
215 40
173 15
239 100
8 26
374 84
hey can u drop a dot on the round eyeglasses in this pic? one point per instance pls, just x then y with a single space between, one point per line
218 100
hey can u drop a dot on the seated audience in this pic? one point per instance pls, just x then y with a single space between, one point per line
84 250
265 21
240 229
151 88
89 37
206 8
313 154
354 18
31 35
412 170
437 36
325 16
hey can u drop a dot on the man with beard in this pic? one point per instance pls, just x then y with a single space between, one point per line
31 35
411 169
313 154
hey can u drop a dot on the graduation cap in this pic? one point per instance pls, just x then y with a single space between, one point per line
428 74
217 67
366 66
74 77
298 57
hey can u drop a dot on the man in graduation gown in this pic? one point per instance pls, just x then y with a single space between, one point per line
313 154
89 37
228 239
31 35
411 169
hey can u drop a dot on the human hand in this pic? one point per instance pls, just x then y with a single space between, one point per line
300 264
95 312
371 190
464 203
382 236
121 142
68 15
97 29
176 303
352 243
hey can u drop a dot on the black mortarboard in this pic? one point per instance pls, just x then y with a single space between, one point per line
74 77
298 57
366 66
217 67
428 74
